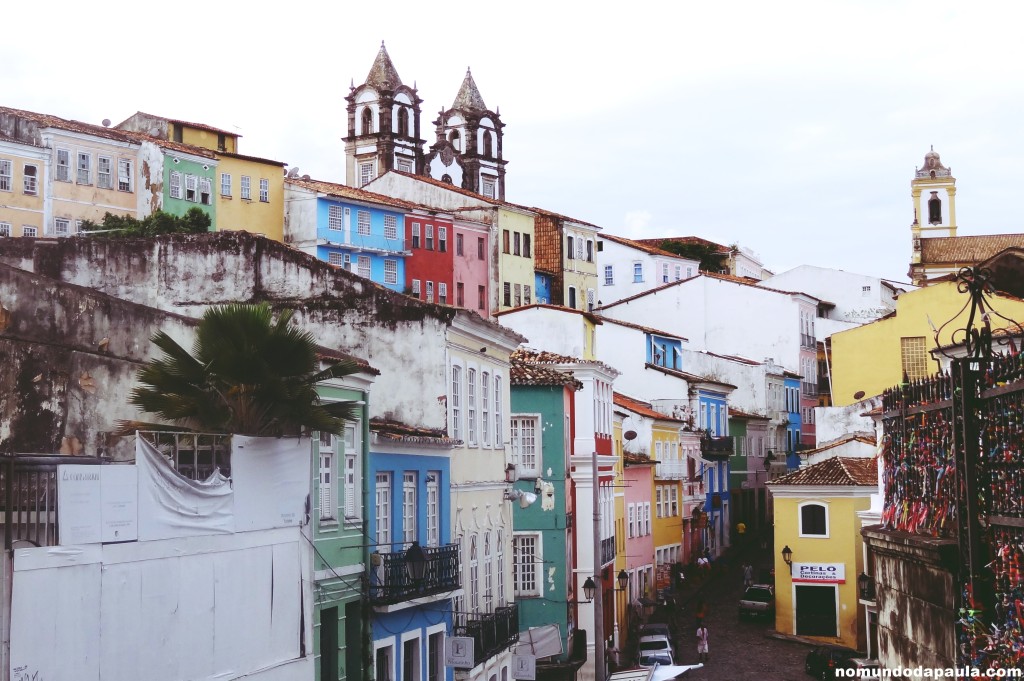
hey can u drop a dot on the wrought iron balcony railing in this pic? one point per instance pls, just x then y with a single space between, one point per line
491 632
670 470
716 447
392 580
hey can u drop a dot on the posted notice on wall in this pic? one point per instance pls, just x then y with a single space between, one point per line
97 504
819 573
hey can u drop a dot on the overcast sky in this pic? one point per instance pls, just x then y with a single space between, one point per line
791 128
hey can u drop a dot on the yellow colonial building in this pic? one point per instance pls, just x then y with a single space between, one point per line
21 196
870 358
515 257
818 549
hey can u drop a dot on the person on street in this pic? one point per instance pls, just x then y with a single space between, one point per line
748 574
702 644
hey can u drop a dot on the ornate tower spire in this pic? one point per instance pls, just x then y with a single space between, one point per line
933 190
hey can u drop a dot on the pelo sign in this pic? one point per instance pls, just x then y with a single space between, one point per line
819 573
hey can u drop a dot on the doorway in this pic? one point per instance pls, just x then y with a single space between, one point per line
816 609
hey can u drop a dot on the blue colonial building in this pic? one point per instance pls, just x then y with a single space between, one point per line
716 448
792 387
361 231
413 568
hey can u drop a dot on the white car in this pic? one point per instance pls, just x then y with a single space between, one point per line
653 643
657 658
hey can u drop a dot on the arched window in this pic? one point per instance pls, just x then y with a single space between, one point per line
474 576
403 122
488 576
813 519
488 148
367 121
501 568
454 138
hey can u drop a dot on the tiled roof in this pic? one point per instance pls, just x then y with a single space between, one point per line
966 249
563 217
692 378
839 470
339 356
833 445
710 275
468 98
640 327
733 412
734 358
200 126
342 191
523 371
687 240
545 357
50 121
637 459
389 429
172 145
451 187
560 308
642 408
644 245
257 159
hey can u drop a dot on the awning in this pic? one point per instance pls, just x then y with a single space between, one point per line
540 642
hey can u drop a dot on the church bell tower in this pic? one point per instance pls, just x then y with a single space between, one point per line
933 190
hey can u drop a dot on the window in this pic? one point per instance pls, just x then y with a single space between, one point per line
517 295
674 509
430 237
30 180
590 300
409 507
411 659
6 175
526 246
501 566
390 271
813 520
61 226
124 175
205 191
5 229
458 244
481 297
365 173
525 444
474 576
390 227
384 663
433 508
609 275
363 222
865 291
914 356
335 258
569 252
363 266
516 242
442 293
488 184
430 291
442 239
382 511
326 476
416 287
191 188
415 235
506 239
590 250
488 576
63 172
525 563
84 168
104 177
638 273
367 121
246 188
176 132
264 190
526 294
405 166
460 294
497 412
222 143
334 214
679 272
175 185
485 408
479 248
664 273
572 297
29 230
457 402
471 404
631 513
647 517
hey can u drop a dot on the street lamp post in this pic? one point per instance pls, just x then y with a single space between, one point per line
599 651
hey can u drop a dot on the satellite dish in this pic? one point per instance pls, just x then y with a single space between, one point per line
859 395
293 173
629 435
106 122
305 177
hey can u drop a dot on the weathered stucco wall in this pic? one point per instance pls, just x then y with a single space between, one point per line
916 598
68 359
185 274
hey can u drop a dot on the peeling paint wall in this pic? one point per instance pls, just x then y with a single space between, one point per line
68 359
150 192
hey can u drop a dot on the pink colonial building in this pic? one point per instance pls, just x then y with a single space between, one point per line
473 268
638 479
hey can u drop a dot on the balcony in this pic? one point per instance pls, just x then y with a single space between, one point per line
28 497
670 470
607 550
491 632
717 448
807 341
391 579
808 389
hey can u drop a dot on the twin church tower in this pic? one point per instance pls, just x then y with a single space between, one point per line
384 134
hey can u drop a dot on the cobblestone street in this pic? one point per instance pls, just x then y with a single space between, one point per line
739 649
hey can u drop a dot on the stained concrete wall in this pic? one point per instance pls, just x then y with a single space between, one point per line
68 359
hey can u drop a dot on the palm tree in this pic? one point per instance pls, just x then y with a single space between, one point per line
247 374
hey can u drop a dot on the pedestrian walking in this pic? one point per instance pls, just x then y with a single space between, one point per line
702 644
748 574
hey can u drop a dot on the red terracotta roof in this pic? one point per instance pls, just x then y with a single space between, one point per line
643 245
833 445
50 121
390 429
966 250
339 356
839 470
637 459
523 371
547 306
563 217
736 413
545 357
200 126
345 192
257 159
687 240
642 408
640 327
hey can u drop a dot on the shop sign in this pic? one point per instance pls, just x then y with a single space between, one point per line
819 573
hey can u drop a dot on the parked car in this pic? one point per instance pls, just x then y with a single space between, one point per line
656 629
858 663
823 661
658 658
654 643
758 601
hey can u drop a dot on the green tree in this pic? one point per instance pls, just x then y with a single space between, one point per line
711 259
194 221
247 373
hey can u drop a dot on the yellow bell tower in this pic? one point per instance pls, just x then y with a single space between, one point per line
934 193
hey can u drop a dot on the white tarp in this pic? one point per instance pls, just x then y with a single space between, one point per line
543 641
271 480
171 505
